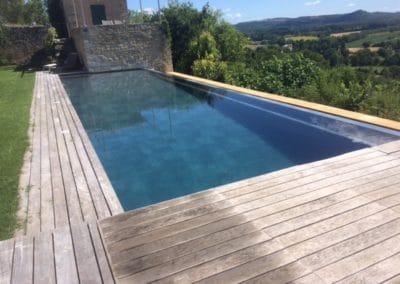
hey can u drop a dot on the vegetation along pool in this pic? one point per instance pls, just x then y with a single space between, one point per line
160 138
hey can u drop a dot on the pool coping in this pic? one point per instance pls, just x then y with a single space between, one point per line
365 118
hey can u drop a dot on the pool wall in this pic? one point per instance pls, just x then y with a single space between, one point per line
382 122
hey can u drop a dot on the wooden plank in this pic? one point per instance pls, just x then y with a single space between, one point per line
86 262
126 246
73 205
6 260
64 258
94 188
102 260
360 261
255 244
314 174
301 233
84 197
390 147
267 188
394 280
251 210
376 273
195 200
43 271
274 228
59 200
108 191
33 222
46 190
331 254
255 196
176 239
260 223
310 278
244 266
23 260
127 262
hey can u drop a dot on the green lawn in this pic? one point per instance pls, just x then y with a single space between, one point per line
374 38
15 100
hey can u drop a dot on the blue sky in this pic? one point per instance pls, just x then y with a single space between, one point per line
246 10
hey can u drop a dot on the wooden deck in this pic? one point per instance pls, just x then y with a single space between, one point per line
63 181
68 255
336 220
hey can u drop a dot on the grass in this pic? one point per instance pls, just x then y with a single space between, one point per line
15 100
300 38
374 38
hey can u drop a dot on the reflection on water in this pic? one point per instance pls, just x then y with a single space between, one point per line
158 140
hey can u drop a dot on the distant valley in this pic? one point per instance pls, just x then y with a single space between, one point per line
319 25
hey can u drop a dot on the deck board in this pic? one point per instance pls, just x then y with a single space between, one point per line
63 256
66 183
335 220
44 256
6 260
328 221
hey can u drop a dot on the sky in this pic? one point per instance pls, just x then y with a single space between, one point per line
247 10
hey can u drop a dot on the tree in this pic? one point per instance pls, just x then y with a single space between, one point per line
11 11
204 47
57 17
231 43
185 24
366 44
137 17
34 12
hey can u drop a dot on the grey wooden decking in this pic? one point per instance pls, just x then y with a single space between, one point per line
336 220
68 255
63 181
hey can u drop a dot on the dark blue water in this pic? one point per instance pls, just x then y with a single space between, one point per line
159 139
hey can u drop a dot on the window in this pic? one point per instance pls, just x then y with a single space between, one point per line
98 14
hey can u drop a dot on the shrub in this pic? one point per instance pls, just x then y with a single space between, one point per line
213 70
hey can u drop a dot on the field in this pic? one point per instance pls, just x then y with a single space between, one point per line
15 100
300 38
357 49
374 38
344 34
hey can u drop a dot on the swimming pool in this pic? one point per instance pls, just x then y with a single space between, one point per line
160 138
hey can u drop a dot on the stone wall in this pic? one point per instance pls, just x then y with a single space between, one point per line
118 47
21 43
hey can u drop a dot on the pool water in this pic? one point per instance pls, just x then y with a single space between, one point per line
160 138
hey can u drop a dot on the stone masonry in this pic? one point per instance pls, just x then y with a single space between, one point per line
118 47
21 43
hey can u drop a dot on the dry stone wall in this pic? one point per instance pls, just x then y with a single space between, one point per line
118 47
20 43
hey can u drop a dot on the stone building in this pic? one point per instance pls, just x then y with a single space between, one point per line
105 41
87 13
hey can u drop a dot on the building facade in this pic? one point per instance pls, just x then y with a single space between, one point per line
87 13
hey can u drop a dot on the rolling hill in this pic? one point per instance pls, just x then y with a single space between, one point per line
331 23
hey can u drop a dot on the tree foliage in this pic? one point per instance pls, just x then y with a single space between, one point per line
197 35
321 70
23 12
57 16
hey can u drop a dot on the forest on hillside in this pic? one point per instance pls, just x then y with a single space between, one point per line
321 70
